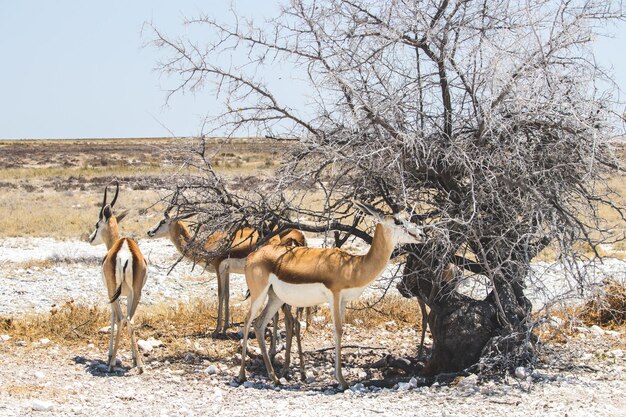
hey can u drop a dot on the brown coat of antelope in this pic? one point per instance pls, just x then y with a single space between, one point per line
304 277
124 271
234 260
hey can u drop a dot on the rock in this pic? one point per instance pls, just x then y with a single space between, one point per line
155 343
597 330
248 384
521 372
283 381
105 330
39 375
556 322
44 341
21 343
617 353
359 387
5 337
404 386
211 370
581 329
189 357
389 325
41 405
469 382
612 333
144 345
413 382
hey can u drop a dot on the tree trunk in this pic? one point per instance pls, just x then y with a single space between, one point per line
464 330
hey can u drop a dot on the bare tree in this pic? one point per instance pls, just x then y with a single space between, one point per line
489 122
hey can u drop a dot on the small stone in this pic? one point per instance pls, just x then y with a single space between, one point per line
521 372
41 405
144 345
413 382
597 330
556 322
105 330
5 337
404 386
283 381
612 333
44 341
359 387
39 375
211 370
468 382
617 353
248 384
189 357
21 343
155 343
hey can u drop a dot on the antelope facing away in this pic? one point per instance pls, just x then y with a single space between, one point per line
305 277
124 271
234 260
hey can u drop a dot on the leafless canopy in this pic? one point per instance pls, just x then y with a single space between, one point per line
488 121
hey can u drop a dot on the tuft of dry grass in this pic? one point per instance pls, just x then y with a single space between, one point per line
608 307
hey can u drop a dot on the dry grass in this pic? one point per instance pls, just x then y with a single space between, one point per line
70 214
608 307
185 327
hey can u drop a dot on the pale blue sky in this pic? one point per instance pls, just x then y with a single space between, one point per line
77 69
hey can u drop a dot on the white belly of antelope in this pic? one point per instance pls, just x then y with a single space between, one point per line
300 295
350 294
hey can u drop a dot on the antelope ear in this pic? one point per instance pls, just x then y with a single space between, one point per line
368 210
121 216
185 216
106 211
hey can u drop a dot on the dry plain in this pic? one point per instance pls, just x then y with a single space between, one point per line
53 317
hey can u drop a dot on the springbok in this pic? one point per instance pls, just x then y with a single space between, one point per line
124 271
234 260
305 277
408 287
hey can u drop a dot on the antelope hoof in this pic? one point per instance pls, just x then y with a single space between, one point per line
241 378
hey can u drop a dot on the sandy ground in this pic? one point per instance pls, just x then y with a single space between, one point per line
582 377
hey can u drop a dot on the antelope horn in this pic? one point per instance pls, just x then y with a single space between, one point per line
117 190
104 201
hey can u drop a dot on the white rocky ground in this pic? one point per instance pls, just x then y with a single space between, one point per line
581 378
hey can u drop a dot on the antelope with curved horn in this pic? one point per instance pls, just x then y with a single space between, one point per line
124 271
304 277
234 260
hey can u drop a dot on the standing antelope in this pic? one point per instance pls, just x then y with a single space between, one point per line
234 260
304 277
124 271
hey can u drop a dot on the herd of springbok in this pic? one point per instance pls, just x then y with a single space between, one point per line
282 271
